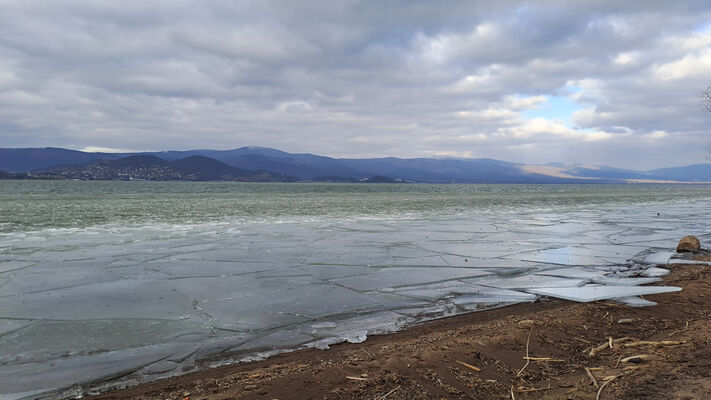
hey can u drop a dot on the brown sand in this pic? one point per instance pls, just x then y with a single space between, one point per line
434 360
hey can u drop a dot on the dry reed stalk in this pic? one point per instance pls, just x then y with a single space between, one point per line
528 341
468 365
592 377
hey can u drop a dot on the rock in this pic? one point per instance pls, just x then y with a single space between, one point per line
689 244
636 359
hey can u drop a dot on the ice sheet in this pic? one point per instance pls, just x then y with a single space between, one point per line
398 277
658 258
570 255
157 299
531 281
587 294
573 272
634 301
486 295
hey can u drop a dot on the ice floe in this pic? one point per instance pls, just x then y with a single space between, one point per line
84 310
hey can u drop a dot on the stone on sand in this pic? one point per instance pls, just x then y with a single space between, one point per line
689 244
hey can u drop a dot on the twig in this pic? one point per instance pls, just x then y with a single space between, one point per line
389 393
610 379
592 377
652 343
680 330
582 340
528 361
548 359
607 345
524 389
369 355
597 397
356 378
468 365
512 394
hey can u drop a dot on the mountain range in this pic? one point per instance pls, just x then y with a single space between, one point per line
267 164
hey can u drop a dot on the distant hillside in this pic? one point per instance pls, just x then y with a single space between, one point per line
312 167
147 167
23 160
320 168
692 173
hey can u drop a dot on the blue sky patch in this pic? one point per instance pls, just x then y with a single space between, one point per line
557 107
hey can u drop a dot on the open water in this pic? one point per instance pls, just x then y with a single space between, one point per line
105 284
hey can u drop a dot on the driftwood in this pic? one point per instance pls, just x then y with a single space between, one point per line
608 344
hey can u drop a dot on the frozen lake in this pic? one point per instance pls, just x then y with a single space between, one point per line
113 283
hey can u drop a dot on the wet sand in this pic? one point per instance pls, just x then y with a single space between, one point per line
482 356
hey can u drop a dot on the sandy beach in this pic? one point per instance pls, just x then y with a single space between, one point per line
482 355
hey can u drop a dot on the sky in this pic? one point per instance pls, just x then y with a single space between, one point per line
605 82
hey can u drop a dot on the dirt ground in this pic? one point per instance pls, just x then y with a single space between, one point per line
482 356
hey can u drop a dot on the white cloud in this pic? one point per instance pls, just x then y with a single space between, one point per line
525 103
695 65
543 128
626 58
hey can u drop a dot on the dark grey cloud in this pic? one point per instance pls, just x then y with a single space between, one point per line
355 78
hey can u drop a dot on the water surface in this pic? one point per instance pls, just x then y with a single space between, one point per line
111 283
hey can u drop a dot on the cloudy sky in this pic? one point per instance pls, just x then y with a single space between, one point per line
606 82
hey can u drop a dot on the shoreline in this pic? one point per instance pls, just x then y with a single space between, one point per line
437 359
